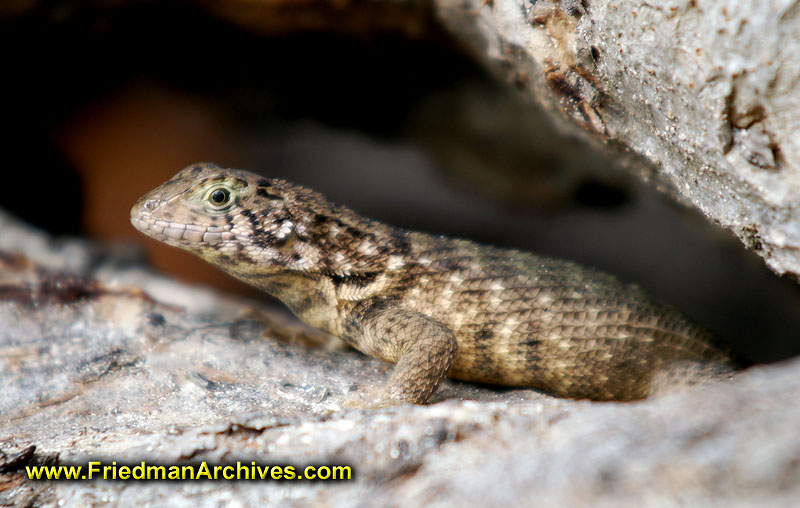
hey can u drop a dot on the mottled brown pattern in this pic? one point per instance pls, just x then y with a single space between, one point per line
435 306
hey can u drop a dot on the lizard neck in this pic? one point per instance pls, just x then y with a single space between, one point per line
311 297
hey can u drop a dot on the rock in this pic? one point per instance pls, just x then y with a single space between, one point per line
94 368
707 95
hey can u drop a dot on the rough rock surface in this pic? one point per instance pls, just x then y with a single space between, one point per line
708 94
94 367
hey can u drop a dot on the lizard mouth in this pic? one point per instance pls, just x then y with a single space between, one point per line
177 233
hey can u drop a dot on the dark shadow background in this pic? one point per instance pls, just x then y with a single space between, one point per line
102 102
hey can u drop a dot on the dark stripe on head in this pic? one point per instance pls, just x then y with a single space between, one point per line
279 217
264 194
252 218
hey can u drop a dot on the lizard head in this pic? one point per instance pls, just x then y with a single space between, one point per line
237 220
253 226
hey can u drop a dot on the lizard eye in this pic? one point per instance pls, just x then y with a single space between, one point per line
219 197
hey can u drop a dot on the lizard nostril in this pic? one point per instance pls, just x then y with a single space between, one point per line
150 205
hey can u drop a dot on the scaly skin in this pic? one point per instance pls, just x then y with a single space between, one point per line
435 306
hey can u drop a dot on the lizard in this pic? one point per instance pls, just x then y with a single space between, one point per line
435 306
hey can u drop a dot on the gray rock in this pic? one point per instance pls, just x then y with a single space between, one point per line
96 369
705 92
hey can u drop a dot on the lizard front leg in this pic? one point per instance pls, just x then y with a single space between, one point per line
422 348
